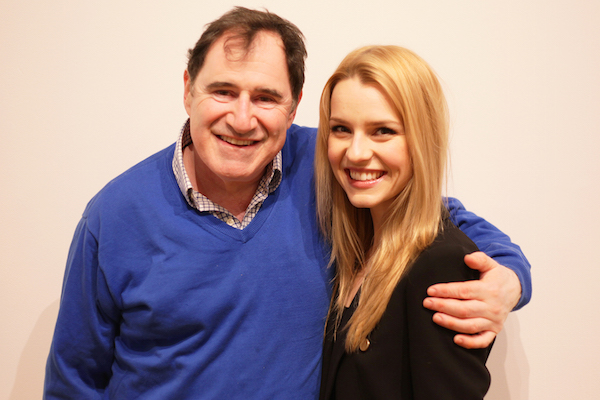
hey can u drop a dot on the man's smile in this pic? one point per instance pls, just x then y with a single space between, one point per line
236 142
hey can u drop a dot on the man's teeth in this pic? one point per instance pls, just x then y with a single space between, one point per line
365 176
235 141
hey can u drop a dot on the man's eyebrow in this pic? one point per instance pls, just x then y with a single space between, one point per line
216 85
270 92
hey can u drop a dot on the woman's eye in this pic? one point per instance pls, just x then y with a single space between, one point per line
339 128
386 131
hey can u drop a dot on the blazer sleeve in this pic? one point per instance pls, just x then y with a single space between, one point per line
440 369
494 243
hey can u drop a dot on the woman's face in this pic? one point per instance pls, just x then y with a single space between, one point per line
367 147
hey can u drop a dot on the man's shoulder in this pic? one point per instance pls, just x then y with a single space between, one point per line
142 179
298 136
299 144
302 130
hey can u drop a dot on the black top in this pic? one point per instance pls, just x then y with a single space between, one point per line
409 356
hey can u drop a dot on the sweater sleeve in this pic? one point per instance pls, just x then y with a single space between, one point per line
81 354
495 244
439 369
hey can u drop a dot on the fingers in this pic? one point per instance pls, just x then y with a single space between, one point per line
480 261
470 326
470 290
457 308
477 341
475 309
457 315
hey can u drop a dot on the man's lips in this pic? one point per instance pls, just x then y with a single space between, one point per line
236 142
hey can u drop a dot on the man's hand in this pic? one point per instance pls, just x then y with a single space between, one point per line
476 309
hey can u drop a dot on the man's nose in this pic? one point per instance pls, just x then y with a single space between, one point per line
242 118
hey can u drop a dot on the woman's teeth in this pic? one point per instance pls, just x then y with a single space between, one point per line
365 176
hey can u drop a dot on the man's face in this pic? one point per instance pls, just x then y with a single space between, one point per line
240 107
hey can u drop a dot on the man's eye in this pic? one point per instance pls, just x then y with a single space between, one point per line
266 102
222 93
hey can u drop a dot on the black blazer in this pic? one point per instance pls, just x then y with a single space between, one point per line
409 356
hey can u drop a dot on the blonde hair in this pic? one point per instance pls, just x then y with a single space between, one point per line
413 220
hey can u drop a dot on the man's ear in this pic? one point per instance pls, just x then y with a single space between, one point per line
293 112
187 92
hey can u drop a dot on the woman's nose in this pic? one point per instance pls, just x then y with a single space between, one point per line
360 148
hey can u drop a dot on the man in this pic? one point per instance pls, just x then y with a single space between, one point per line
199 273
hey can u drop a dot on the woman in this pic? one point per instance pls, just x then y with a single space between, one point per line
380 163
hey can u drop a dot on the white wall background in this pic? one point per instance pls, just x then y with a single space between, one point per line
89 88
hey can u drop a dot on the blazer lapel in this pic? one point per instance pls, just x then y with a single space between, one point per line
333 352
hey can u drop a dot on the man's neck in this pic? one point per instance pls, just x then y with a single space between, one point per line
234 196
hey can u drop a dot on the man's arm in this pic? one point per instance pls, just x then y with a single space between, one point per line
478 309
81 354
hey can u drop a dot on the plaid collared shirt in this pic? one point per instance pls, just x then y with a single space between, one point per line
268 183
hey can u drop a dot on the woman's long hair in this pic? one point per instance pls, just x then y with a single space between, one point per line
413 220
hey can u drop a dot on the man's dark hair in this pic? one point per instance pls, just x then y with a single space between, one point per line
244 24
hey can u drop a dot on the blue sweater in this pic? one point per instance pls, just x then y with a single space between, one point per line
161 301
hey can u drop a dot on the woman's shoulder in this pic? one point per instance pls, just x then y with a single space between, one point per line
450 241
443 260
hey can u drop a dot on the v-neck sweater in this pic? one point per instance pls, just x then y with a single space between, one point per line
166 302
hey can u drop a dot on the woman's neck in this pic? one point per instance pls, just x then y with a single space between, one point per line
377 215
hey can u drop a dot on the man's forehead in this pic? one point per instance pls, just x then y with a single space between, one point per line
231 53
236 47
